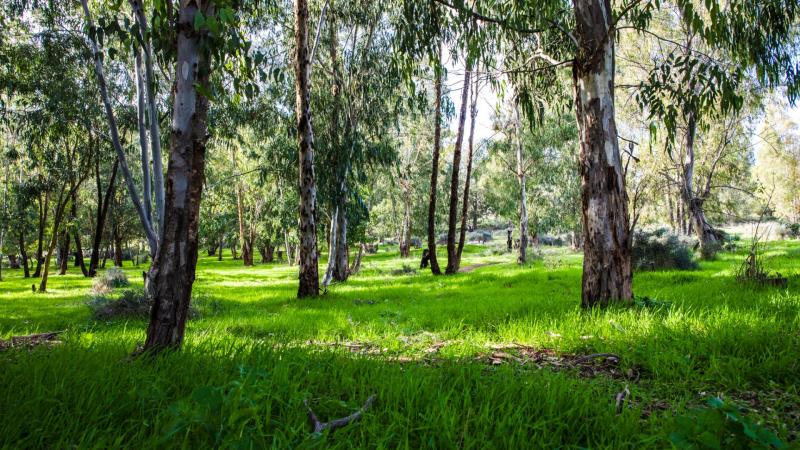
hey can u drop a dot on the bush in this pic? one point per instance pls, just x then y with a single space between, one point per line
660 249
111 279
789 231
479 236
130 304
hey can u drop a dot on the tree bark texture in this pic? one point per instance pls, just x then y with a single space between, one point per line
467 176
437 142
309 270
522 254
169 282
452 219
604 201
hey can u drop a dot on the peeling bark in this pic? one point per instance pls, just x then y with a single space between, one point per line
607 262
309 270
169 282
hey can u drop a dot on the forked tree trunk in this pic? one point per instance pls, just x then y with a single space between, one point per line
103 202
465 203
79 261
309 270
607 261
437 142
452 218
60 205
522 255
706 235
169 282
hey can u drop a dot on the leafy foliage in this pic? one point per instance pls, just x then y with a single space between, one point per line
661 249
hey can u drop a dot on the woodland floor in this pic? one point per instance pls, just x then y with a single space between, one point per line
488 358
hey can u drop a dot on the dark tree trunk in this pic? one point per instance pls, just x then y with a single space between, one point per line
117 242
522 255
63 257
24 253
169 282
43 210
79 261
102 214
453 255
607 261
60 206
437 142
465 204
221 246
13 262
309 270
405 233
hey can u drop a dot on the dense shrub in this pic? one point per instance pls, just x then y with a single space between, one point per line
660 249
110 279
789 231
479 236
131 303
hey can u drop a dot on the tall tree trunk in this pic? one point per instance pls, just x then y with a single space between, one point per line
23 252
522 255
465 205
152 109
221 246
149 231
79 261
437 142
341 269
169 282
117 243
309 270
247 251
289 259
141 112
44 207
405 233
607 259
63 259
452 218
102 213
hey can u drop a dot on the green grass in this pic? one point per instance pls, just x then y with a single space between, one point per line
256 353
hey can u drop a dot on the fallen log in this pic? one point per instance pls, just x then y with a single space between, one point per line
319 427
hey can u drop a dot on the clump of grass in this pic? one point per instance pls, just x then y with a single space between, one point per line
405 270
131 303
111 279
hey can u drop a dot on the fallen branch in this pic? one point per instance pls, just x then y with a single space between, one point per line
586 358
29 340
319 427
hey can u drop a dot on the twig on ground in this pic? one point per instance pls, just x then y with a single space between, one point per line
586 358
319 427
621 397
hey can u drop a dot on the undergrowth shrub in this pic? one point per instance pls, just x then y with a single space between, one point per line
789 231
110 279
661 249
405 270
722 425
128 304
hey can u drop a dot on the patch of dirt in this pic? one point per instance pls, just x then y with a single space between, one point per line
472 267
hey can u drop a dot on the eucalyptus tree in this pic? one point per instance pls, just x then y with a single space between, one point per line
363 106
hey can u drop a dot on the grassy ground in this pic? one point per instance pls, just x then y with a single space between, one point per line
435 351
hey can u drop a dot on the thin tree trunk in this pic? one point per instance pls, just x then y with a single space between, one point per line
141 112
437 142
607 260
117 242
309 270
221 246
465 205
289 259
152 109
452 219
247 251
24 253
522 255
60 205
43 210
152 239
63 260
405 233
169 282
102 214
706 234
